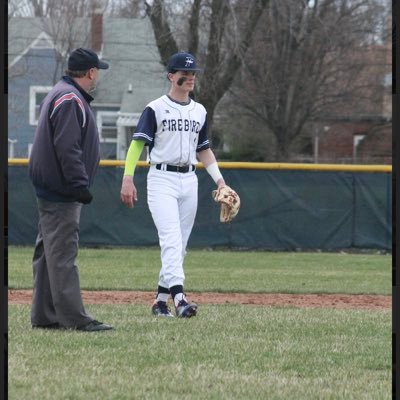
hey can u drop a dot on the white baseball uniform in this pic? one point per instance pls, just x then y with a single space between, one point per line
173 132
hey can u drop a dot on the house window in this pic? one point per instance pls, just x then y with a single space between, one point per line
36 96
108 133
107 125
357 139
126 124
11 147
387 80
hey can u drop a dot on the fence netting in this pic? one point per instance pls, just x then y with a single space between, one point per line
280 210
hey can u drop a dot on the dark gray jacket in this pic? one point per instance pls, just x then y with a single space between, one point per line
65 151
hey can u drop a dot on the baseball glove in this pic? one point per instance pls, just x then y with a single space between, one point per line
229 201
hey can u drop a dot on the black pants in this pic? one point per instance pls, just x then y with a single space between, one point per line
56 288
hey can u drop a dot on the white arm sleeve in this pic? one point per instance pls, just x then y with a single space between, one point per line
214 172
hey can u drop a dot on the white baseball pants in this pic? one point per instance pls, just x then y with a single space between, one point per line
172 200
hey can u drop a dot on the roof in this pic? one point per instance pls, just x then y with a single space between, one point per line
130 48
128 45
21 33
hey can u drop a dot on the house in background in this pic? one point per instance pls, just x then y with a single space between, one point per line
135 78
357 134
36 62
362 132
30 78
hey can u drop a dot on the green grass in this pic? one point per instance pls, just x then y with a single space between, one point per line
226 352
222 271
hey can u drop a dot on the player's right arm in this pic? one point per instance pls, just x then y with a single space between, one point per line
128 189
144 135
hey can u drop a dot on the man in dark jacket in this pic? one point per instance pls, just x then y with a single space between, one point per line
62 165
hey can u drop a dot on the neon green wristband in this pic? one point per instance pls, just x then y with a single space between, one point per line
132 157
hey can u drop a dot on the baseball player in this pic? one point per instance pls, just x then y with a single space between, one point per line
174 129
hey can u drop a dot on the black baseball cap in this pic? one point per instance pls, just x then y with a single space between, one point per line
182 62
83 59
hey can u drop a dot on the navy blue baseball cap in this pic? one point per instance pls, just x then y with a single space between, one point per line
83 59
182 62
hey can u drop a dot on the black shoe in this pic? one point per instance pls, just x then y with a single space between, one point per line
185 309
94 326
160 309
56 325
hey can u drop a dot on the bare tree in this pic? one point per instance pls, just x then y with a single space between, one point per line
307 63
19 8
53 8
66 33
208 34
124 8
65 23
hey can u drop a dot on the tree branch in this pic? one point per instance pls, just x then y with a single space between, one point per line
235 61
194 27
165 41
219 12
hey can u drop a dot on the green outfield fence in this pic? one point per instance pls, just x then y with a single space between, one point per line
284 207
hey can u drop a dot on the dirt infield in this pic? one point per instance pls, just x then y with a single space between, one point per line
277 299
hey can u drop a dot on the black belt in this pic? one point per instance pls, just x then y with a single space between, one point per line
176 168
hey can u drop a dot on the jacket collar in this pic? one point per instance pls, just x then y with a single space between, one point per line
85 94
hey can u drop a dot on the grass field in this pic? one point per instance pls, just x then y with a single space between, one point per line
222 271
227 351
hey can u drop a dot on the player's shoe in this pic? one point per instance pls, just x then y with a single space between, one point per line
160 309
185 309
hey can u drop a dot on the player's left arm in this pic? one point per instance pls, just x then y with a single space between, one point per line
209 161
207 157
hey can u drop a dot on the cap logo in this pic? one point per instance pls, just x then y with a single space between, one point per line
188 62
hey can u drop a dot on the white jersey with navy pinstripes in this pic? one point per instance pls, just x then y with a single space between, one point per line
173 131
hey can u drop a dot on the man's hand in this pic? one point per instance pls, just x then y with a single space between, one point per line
128 191
82 195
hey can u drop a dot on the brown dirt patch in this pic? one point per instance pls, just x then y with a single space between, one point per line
262 299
